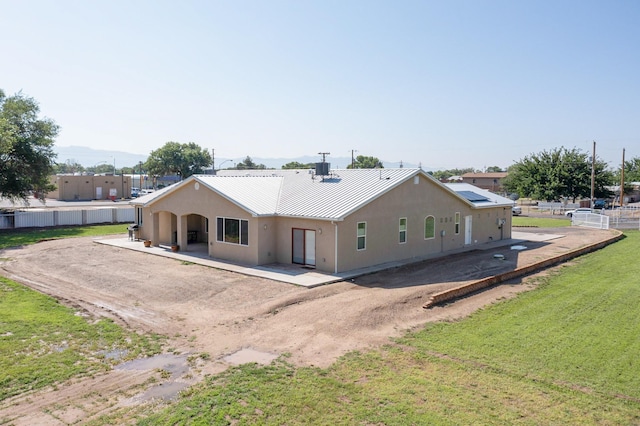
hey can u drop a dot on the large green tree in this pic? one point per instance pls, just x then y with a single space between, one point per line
556 174
183 159
363 162
249 164
26 148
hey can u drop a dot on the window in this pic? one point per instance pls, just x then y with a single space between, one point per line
139 216
402 237
429 227
233 231
362 235
457 227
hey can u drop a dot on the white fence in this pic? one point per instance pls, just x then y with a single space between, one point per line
40 218
590 220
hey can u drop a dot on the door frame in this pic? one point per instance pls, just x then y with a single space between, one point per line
306 233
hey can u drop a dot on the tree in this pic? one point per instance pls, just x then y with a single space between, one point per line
248 164
183 159
559 173
296 165
446 174
68 167
26 148
494 169
362 162
631 171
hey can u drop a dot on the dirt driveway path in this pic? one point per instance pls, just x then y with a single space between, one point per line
205 310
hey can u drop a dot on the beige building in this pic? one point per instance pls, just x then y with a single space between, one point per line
90 187
488 181
346 220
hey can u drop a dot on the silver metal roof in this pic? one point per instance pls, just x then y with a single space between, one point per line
301 193
492 200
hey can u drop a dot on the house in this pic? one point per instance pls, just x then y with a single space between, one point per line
336 222
488 181
90 187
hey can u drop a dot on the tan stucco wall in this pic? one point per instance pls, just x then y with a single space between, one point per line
270 238
415 202
71 187
196 205
324 234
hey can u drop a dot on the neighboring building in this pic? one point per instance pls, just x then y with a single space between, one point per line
348 219
489 181
90 187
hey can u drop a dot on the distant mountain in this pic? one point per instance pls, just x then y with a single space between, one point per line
90 157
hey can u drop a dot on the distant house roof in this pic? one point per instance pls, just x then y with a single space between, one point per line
495 175
302 193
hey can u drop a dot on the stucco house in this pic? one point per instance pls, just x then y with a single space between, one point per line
490 181
344 220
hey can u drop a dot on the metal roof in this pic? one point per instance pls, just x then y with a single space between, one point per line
489 198
302 193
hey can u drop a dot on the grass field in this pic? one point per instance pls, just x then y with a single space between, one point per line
540 222
14 238
565 353
43 342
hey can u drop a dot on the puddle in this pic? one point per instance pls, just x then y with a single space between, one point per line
166 391
174 364
116 354
245 356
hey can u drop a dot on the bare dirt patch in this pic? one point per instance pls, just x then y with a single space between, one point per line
219 313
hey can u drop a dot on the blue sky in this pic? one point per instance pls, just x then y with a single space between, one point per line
441 83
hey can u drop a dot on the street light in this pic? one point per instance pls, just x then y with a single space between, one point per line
220 165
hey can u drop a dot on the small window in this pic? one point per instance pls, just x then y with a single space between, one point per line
362 235
402 237
429 227
457 227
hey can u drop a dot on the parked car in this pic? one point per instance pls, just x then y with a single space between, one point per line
516 210
601 204
581 210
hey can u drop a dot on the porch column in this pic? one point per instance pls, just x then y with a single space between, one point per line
182 232
155 229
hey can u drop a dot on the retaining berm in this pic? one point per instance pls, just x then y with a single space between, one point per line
463 290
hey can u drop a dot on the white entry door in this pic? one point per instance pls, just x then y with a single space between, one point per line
467 229
304 247
98 193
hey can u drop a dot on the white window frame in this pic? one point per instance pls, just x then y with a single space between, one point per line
457 225
433 219
361 237
402 233
222 232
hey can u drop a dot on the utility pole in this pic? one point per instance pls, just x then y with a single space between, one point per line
622 180
593 173
353 163
213 161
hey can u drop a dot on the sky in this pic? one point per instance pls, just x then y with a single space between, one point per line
443 84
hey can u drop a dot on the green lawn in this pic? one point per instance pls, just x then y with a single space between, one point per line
13 238
565 353
43 342
540 222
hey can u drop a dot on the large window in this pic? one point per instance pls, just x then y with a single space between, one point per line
362 235
429 227
233 231
457 227
402 230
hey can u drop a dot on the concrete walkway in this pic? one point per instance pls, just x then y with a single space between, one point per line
296 274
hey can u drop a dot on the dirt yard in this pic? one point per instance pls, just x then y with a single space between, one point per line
236 318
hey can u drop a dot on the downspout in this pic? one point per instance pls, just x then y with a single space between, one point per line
335 249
